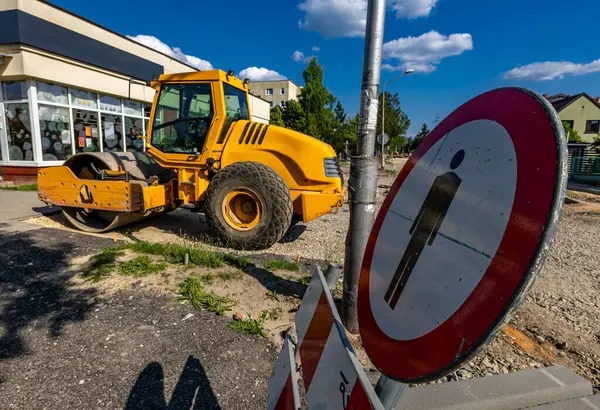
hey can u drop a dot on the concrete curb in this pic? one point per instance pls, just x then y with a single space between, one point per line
503 392
581 403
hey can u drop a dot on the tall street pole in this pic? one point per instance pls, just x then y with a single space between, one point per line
383 127
362 185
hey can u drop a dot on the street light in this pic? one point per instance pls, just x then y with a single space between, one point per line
408 71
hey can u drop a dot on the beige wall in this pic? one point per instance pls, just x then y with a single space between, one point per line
579 112
27 62
291 90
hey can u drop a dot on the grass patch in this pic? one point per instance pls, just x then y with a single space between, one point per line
27 187
141 266
207 279
237 261
272 295
192 291
282 264
230 275
271 314
175 253
250 326
102 264
305 280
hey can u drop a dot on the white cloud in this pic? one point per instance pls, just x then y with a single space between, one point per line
175 52
348 18
423 53
335 18
260 74
413 8
298 56
549 70
316 49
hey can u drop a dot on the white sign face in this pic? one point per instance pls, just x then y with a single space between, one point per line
443 229
334 378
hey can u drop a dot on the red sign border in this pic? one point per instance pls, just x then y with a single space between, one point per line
537 204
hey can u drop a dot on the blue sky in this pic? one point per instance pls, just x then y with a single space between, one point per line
460 48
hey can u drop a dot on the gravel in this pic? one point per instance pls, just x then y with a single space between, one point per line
557 324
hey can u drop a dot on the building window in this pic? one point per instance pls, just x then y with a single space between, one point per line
112 133
52 93
282 104
282 91
133 131
269 91
14 90
83 99
86 130
592 126
55 132
18 131
110 104
271 104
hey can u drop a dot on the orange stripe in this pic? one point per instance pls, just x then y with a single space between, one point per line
314 341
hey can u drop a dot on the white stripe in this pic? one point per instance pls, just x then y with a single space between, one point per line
551 376
325 388
307 307
589 403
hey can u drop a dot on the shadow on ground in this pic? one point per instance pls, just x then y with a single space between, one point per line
34 287
193 389
181 222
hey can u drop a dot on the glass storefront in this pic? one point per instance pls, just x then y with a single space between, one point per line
47 123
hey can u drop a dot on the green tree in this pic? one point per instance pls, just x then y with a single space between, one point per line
317 103
346 131
293 116
396 121
276 117
339 113
572 135
423 132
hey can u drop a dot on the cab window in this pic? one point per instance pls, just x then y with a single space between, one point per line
182 118
236 108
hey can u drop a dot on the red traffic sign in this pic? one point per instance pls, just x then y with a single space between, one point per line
462 234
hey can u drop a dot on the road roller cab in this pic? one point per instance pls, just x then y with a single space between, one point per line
203 151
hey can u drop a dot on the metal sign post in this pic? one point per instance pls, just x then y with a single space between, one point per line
461 235
362 186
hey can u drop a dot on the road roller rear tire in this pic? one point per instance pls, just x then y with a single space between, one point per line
248 205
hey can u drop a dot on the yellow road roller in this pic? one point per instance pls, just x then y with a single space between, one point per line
202 152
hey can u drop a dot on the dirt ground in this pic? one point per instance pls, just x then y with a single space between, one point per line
558 322
65 346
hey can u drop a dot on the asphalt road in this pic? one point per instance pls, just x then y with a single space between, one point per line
66 348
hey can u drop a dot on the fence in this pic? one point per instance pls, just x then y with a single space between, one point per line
584 164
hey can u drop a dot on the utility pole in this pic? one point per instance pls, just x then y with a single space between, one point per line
383 127
362 185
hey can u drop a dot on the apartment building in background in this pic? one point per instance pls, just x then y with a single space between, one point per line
275 92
